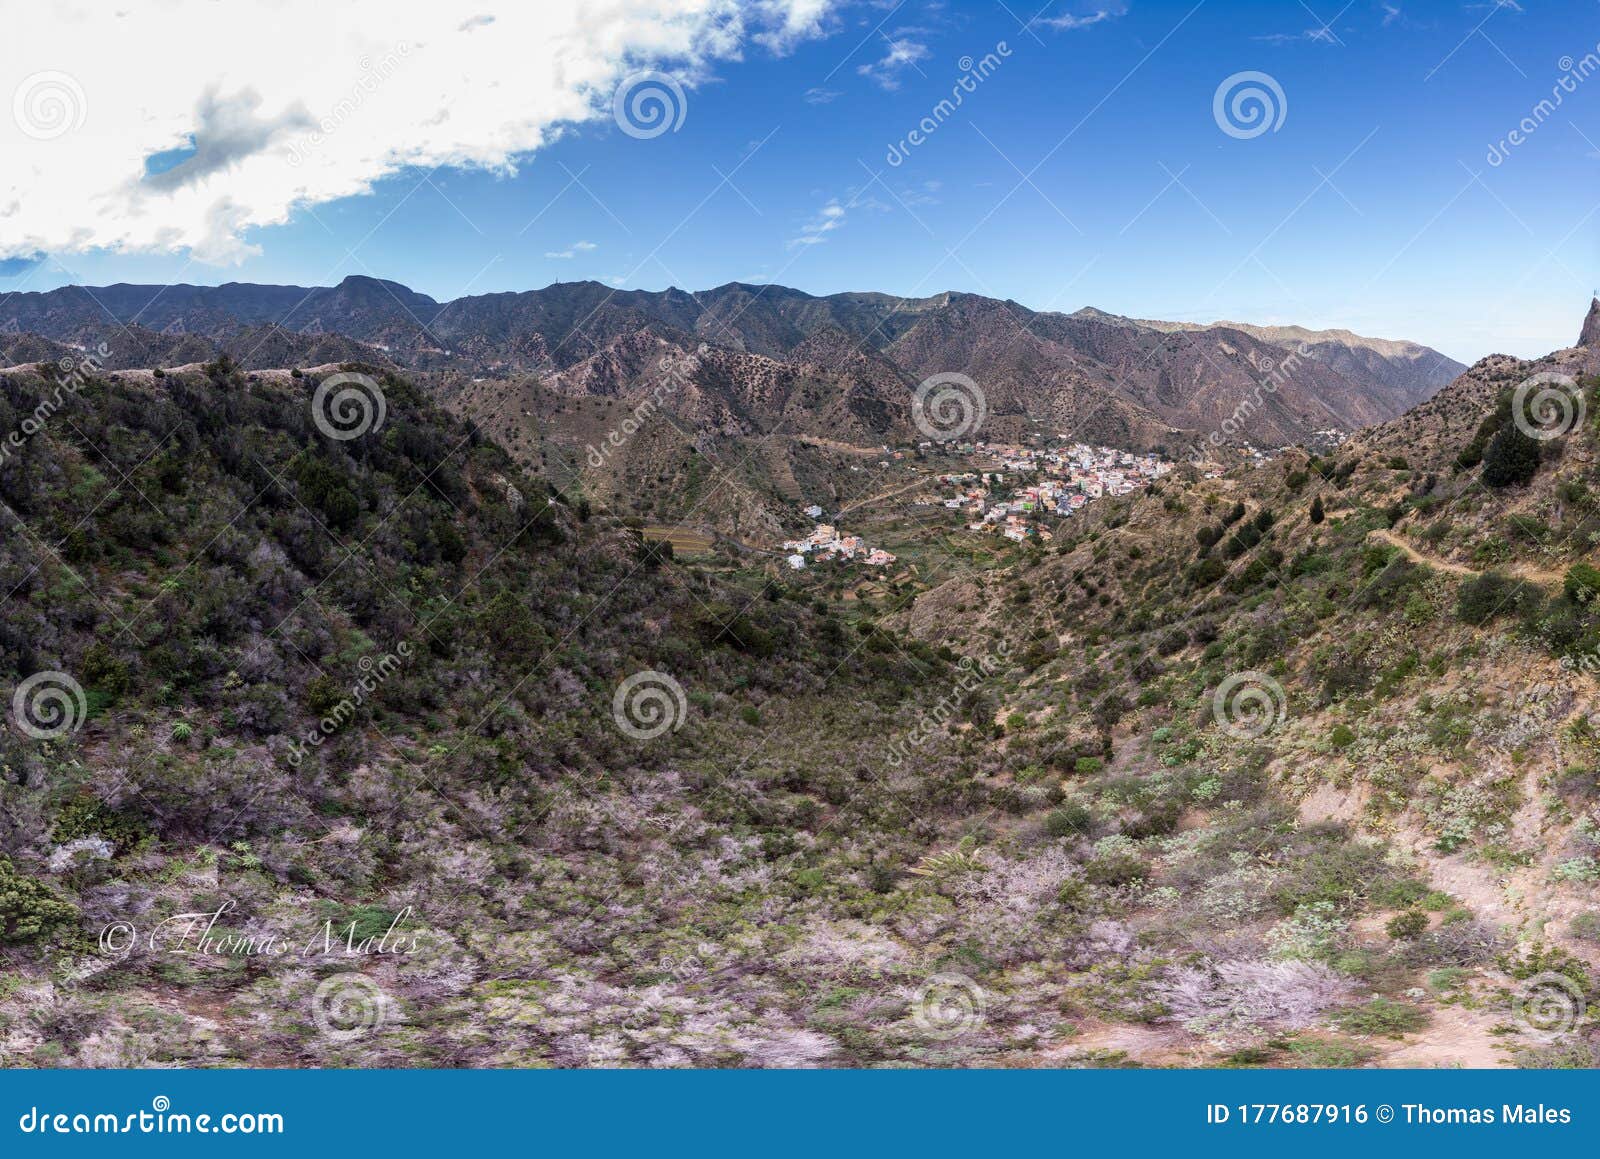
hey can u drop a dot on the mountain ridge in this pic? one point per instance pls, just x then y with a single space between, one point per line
365 307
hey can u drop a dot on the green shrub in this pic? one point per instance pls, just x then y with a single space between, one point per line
1114 869
323 695
1582 583
1342 736
1322 1054
1482 599
1382 1016
1070 820
1511 459
31 912
1407 925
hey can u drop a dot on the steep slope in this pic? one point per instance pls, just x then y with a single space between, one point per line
1409 371
1404 636
467 752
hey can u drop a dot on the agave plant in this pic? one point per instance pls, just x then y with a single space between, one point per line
966 857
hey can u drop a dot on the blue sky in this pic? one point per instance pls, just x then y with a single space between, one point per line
1087 168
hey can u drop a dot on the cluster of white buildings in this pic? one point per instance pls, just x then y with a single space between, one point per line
1067 478
826 544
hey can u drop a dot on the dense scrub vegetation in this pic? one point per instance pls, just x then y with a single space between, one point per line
369 686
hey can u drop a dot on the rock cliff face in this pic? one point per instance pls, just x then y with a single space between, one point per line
1591 327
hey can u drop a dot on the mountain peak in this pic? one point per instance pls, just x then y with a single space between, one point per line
1591 327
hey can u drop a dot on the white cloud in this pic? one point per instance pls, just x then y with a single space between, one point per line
573 250
902 53
829 218
273 107
788 22
1067 23
1085 18
1318 35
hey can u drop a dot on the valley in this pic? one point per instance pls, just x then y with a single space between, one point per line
1278 757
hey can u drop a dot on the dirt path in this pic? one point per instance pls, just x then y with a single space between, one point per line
856 504
1457 1037
836 445
1520 571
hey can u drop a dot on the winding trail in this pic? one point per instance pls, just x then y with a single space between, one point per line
1520 571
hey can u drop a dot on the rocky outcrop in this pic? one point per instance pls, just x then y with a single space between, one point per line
1591 327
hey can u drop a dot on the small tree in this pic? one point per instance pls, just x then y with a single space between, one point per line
1511 459
1317 513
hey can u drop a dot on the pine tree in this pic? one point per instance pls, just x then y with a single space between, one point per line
1316 509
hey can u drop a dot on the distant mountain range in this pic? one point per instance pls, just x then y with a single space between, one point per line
841 365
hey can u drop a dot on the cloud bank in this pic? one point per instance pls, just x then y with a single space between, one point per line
183 125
